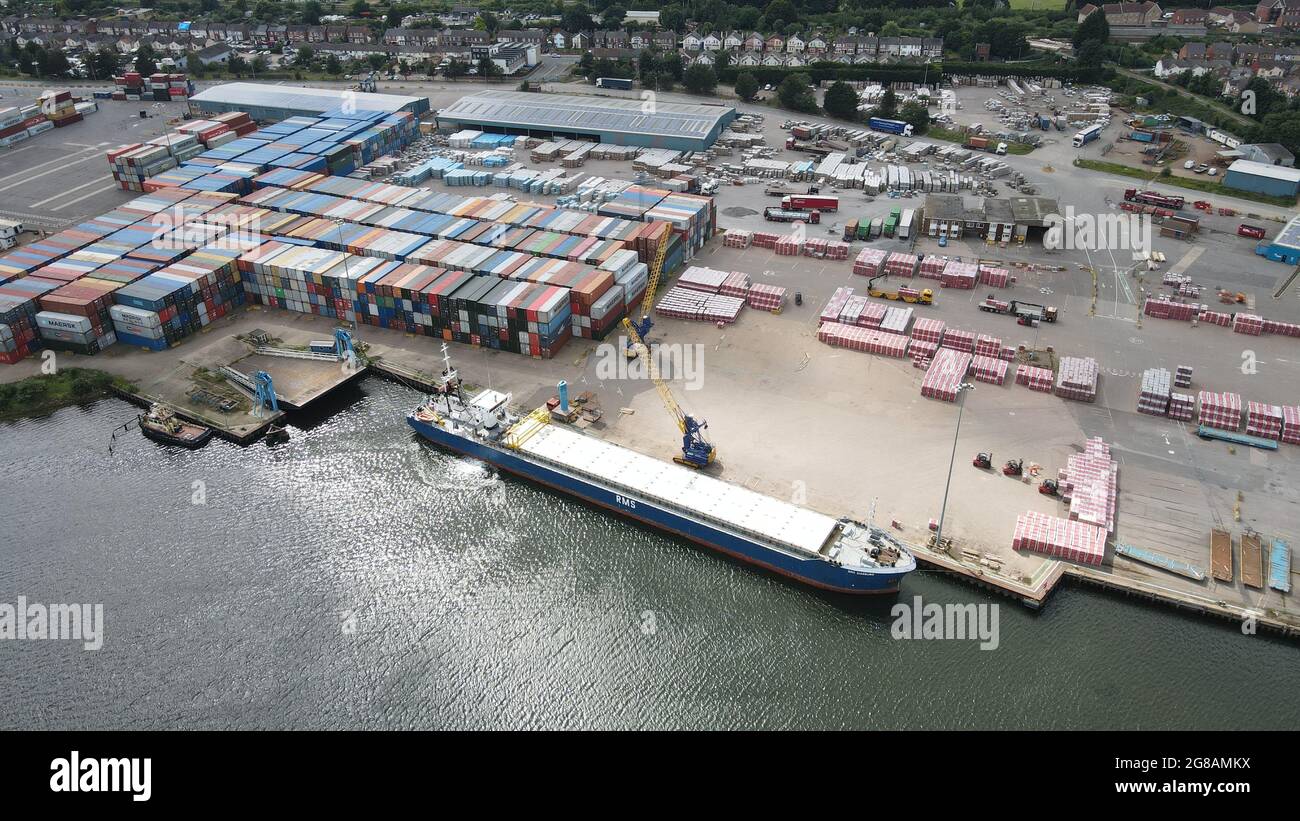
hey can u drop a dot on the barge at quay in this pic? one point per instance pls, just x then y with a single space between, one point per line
842 555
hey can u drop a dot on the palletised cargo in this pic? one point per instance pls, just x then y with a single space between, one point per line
1264 420
1077 378
687 303
1060 538
1153 398
1220 410
1035 378
867 340
946 372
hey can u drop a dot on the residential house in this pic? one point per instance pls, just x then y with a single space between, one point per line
774 43
1185 17
580 40
754 41
692 42
712 42
748 59
795 44
932 48
1125 14
1220 51
733 41
817 45
220 53
1192 51
665 40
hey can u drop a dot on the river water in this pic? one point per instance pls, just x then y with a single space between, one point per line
357 578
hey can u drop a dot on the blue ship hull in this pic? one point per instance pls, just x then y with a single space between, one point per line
813 571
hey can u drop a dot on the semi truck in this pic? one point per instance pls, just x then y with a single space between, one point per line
808 202
1152 198
1025 312
1087 135
621 83
890 126
782 215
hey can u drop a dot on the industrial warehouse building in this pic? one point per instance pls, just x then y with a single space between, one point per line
679 126
1285 247
275 103
1273 180
995 219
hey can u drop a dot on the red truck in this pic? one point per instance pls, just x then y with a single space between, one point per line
808 202
782 215
1252 231
1152 198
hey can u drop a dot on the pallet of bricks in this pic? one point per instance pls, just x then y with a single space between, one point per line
986 365
927 333
697 295
1291 424
959 275
868 262
765 239
1248 324
1035 378
1059 538
994 277
769 298
931 267
1264 421
946 372
1223 320
900 265
736 238
1220 410
1157 387
789 246
867 340
1077 378
958 340
1161 307
1089 483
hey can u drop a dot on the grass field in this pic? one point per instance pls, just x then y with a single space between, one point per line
1038 5
1194 184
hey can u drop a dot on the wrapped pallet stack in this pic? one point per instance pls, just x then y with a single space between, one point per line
688 303
1291 424
989 369
1060 538
1077 378
867 340
994 277
922 352
900 265
868 262
1164 308
1220 410
1089 483
835 305
896 320
1220 318
1181 406
1035 378
1153 399
959 275
928 330
737 238
1264 420
986 345
932 267
769 298
736 284
1248 324
699 278
958 340
946 372
1183 376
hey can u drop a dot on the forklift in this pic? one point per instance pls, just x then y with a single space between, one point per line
1049 488
1014 467
983 460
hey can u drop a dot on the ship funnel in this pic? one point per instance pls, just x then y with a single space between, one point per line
564 396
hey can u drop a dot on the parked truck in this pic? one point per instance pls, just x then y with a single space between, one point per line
808 202
782 215
915 296
890 126
620 83
1026 313
1087 135
1152 198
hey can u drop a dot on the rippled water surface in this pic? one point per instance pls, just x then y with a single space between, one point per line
356 578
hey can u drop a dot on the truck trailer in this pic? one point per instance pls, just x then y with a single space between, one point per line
890 126
782 215
808 202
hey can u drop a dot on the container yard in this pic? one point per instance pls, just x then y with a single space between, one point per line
505 259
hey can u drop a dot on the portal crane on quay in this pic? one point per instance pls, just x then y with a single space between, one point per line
643 325
696 451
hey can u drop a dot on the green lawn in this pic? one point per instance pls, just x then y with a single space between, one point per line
1037 5
37 395
1194 184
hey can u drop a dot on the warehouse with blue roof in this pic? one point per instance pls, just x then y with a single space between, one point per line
615 120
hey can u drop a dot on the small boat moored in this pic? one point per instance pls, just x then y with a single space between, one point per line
277 435
161 425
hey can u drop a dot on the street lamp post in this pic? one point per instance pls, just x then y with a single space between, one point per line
962 389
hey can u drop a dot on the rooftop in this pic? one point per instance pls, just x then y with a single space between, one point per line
299 98
612 114
1260 169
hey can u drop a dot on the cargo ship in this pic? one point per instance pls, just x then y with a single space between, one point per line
841 555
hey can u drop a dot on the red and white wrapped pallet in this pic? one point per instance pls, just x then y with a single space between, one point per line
1183 376
921 351
1249 324
837 250
1281 328
789 247
926 329
1161 307
868 262
1220 410
988 369
863 339
932 267
1061 538
813 247
947 370
737 238
763 239
1090 483
1291 424
986 345
1215 318
959 275
736 284
1035 378
896 320
873 315
687 303
958 339
766 297
831 313
699 278
994 277
1264 421
1077 378
900 265
1182 406
851 313
1153 399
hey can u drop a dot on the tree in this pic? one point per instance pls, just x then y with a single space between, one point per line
576 18
700 79
304 56
55 63
455 68
888 105
795 94
746 86
1093 27
841 101
359 8
332 65
672 17
721 60
917 114
106 62
311 11
612 16
144 60
488 69
490 22
237 65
